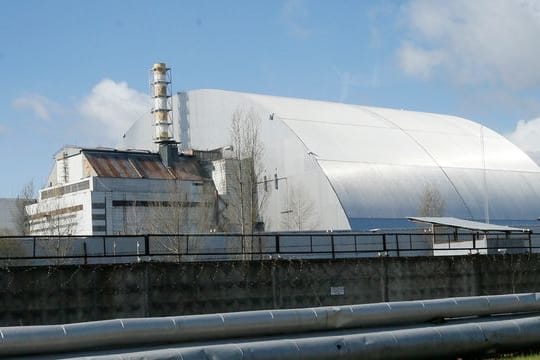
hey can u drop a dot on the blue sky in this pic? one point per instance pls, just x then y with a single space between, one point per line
76 72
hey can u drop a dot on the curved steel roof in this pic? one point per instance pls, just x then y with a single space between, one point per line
380 161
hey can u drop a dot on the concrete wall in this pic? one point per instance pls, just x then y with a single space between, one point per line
63 294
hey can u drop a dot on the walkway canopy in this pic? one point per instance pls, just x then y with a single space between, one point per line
457 224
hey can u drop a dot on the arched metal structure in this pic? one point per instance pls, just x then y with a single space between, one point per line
365 167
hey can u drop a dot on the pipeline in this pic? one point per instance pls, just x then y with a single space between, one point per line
415 343
180 329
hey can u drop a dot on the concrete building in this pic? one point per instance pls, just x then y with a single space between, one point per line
107 192
331 166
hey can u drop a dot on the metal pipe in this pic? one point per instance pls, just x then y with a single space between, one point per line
428 342
126 332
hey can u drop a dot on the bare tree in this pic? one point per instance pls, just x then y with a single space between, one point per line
170 216
135 219
302 213
178 214
26 197
14 247
431 203
245 203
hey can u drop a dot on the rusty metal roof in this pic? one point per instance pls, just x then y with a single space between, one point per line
140 165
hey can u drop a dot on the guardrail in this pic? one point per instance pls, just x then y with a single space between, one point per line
215 246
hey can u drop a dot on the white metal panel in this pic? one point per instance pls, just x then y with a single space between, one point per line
386 191
428 122
359 144
450 150
139 135
320 111
501 154
510 195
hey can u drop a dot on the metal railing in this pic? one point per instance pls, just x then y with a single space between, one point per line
198 247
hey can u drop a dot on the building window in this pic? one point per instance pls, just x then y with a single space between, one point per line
144 203
57 212
98 216
97 228
62 190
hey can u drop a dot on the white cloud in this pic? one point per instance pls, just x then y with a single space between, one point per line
40 105
526 135
110 109
418 61
293 14
473 42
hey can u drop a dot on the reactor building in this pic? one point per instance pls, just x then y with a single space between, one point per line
102 191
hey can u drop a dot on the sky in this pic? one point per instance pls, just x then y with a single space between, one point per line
76 72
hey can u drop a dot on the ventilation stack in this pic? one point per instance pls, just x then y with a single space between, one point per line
163 130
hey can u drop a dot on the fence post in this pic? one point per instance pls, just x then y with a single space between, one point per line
277 244
178 250
34 247
260 248
530 242
104 246
397 244
333 246
85 253
384 248
146 245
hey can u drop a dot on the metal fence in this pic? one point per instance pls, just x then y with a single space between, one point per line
46 250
